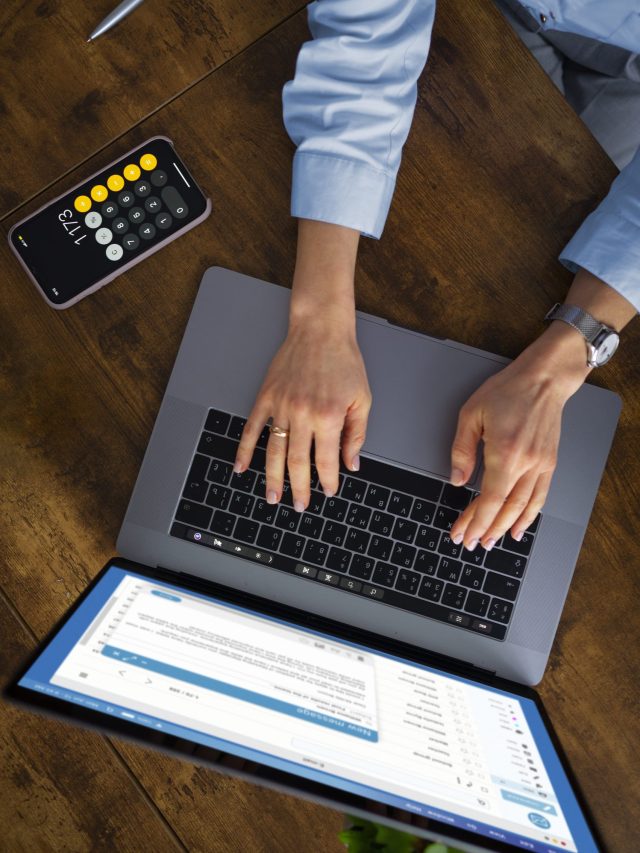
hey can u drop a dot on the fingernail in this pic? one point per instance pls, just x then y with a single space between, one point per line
489 544
457 476
272 497
518 536
237 467
457 539
472 544
328 494
298 506
355 463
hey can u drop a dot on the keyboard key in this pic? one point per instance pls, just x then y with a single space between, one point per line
269 538
361 567
328 577
241 504
381 523
217 421
338 560
474 557
449 569
500 611
353 490
264 512
507 564
404 530
316 502
453 596
196 486
335 508
431 589
350 584
292 545
399 479
193 513
472 576
484 627
448 548
334 533
316 553
423 511
287 519
263 438
218 496
358 516
220 472
311 526
246 531
218 446
306 571
400 504
235 427
477 603
501 585
258 460
426 562
380 548
427 538
403 555
534 524
244 481
357 540
408 582
377 497
286 498
524 546
384 574
260 487
456 497
222 522
445 517
372 591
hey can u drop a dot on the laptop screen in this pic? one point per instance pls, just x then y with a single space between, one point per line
358 720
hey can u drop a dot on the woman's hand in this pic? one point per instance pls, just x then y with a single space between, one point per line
517 413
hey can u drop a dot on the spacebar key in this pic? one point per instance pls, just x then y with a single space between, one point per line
174 201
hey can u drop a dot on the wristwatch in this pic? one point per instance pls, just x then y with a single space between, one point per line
602 341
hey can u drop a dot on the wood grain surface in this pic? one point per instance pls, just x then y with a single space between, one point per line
497 174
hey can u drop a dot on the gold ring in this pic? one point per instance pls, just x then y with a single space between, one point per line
281 433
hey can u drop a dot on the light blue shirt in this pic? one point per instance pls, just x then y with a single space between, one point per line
350 106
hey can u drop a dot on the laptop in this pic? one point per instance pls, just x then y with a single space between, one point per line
352 654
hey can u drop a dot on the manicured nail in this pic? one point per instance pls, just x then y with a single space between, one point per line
328 494
518 536
272 497
237 467
457 476
355 463
298 506
457 539
489 545
472 544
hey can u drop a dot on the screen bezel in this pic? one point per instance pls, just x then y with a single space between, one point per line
262 774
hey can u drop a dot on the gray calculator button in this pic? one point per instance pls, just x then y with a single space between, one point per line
109 209
174 201
164 221
131 242
120 225
114 252
148 231
136 215
142 188
152 204
158 178
126 198
103 236
92 219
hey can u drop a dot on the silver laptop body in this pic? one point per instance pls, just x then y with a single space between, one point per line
418 385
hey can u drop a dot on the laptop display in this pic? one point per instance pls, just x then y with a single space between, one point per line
358 720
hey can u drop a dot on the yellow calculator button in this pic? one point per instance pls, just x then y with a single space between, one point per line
82 203
148 162
99 193
115 183
131 172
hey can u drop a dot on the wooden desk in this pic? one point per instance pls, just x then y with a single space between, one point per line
497 174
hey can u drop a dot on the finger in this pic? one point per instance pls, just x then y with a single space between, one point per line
299 464
538 497
515 504
353 434
327 455
465 444
250 434
497 482
276 460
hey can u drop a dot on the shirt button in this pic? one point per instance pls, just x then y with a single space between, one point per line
543 19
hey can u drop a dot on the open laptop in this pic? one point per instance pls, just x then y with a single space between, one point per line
352 654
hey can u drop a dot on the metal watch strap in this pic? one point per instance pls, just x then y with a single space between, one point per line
579 319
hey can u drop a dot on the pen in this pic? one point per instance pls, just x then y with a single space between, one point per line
120 12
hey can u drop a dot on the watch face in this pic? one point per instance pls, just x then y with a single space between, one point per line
606 348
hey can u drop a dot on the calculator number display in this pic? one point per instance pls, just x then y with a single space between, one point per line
71 226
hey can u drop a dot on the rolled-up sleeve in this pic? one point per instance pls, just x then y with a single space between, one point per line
350 106
607 243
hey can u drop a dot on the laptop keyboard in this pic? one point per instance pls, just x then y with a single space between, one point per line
384 535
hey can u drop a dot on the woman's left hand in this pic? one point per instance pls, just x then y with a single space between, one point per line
517 413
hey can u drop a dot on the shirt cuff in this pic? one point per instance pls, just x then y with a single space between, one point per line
608 246
344 192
